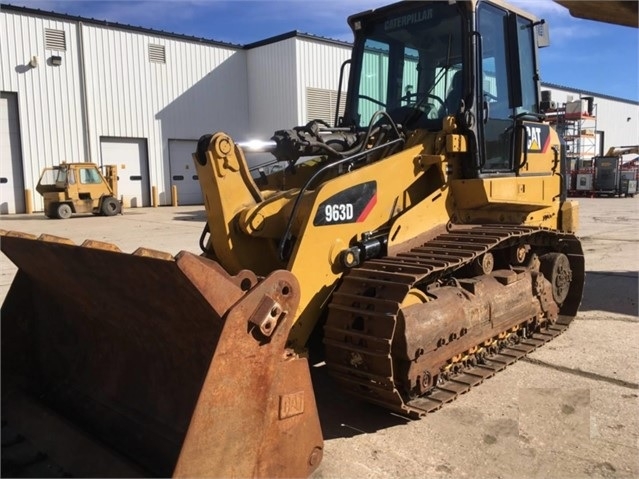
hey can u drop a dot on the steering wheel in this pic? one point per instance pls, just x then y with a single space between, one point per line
420 97
413 112
372 100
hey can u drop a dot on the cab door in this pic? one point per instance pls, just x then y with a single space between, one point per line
508 89
90 186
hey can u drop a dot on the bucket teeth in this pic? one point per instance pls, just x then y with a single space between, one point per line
17 234
101 245
151 253
89 243
55 239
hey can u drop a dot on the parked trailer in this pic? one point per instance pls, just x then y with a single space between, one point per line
612 178
582 182
607 170
628 182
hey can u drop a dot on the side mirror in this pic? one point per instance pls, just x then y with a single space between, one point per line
542 33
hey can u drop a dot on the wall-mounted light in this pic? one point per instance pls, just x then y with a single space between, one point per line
628 119
33 63
56 60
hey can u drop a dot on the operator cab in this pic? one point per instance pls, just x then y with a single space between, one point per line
420 62
409 64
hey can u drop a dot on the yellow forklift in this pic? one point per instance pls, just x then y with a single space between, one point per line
79 188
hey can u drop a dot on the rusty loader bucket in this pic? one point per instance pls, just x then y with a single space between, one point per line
168 361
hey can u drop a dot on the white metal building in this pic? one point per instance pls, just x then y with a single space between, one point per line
74 89
611 121
78 89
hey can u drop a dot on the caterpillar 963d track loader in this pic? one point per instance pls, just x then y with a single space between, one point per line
428 243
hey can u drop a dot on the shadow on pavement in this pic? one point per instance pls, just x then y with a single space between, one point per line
611 291
195 215
342 415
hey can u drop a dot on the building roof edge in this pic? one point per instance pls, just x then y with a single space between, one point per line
122 26
588 92
296 34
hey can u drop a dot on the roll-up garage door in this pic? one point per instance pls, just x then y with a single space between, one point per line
183 173
130 156
11 180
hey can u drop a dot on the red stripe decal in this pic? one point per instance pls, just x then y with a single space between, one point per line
368 209
546 143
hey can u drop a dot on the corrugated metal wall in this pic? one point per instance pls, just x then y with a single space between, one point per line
278 77
272 89
318 66
272 94
619 122
49 97
200 89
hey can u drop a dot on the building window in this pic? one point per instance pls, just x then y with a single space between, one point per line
157 53
54 40
321 103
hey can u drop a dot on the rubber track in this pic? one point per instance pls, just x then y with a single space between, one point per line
375 291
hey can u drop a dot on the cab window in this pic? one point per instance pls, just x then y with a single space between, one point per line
89 176
65 177
410 66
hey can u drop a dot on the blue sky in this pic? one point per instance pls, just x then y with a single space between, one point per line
583 54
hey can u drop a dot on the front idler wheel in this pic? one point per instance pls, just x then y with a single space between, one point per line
556 269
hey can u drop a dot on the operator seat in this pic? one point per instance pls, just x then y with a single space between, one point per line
414 118
454 95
